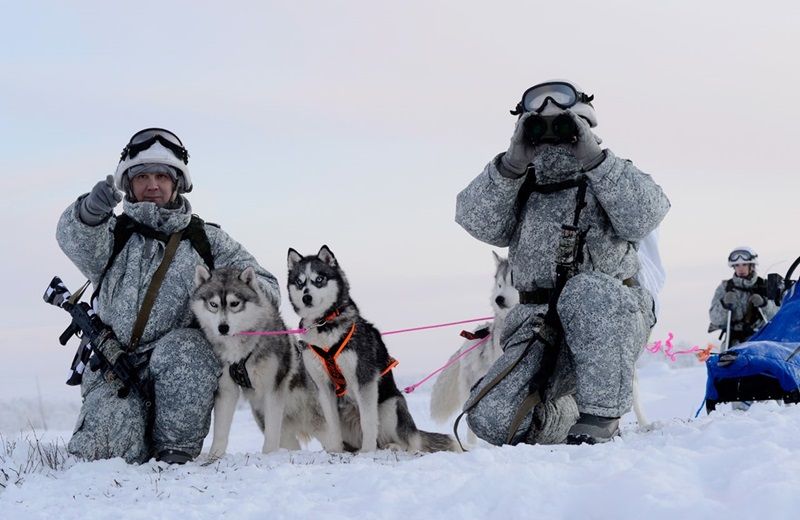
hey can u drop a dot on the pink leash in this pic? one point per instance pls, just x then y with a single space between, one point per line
303 331
668 350
407 389
413 387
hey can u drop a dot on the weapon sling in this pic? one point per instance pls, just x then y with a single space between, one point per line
551 345
152 290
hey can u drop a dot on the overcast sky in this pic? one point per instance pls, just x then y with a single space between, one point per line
355 124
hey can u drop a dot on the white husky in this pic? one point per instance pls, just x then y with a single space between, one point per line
453 384
266 369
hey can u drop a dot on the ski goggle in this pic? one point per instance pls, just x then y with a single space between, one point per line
144 139
741 256
560 93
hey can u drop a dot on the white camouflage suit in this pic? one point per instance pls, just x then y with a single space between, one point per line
182 368
606 323
745 319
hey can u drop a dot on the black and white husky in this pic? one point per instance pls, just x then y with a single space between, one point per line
347 359
266 369
452 386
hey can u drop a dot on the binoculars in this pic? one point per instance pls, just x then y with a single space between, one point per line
551 129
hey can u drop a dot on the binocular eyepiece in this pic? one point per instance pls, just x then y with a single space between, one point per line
551 129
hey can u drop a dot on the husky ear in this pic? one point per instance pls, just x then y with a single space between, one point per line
293 258
326 255
248 276
201 275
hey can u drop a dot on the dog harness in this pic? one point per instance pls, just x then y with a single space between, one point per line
238 372
478 334
329 357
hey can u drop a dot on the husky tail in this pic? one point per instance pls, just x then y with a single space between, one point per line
400 432
430 442
446 398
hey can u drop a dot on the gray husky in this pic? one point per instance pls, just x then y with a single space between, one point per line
347 359
452 386
266 369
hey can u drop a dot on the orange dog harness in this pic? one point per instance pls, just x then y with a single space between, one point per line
329 357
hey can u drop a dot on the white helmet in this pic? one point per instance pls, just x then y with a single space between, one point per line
155 146
742 255
554 96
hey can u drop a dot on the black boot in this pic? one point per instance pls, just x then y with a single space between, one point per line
174 457
593 429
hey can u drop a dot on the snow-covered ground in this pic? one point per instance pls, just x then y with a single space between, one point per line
730 465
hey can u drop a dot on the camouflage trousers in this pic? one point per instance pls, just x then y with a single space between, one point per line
182 375
606 325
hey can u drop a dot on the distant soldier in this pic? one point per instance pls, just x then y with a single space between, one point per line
744 296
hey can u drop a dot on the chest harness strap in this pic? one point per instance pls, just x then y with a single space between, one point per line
329 357
238 372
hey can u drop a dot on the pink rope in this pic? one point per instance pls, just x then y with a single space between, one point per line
271 332
668 350
413 387
303 331
435 326
407 389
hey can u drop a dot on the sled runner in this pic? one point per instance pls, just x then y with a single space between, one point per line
766 366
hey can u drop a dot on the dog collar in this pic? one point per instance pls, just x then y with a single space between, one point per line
322 321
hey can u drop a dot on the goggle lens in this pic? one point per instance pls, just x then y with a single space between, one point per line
562 95
740 256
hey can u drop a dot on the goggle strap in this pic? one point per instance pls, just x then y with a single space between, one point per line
132 150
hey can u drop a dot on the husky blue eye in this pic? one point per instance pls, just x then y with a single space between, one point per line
320 280
299 283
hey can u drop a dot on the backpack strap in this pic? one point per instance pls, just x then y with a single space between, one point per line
196 233
125 227
530 186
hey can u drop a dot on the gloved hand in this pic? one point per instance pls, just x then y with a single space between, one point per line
123 368
586 149
756 300
102 200
729 300
514 162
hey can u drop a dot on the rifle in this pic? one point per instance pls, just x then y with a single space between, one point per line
548 328
550 332
113 359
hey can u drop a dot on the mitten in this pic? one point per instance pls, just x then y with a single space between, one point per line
515 161
586 148
729 300
756 300
102 200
